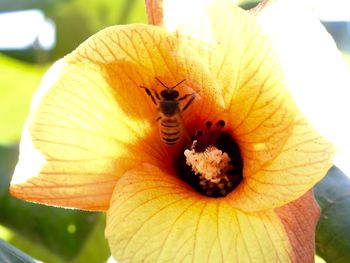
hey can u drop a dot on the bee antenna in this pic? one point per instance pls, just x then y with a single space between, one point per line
170 87
178 84
162 83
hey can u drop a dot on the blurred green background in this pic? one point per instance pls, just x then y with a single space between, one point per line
30 42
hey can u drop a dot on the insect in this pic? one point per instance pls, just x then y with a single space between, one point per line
170 109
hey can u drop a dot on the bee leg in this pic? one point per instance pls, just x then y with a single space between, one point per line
193 96
149 93
187 95
156 94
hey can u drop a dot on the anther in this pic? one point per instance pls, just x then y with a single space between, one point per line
220 123
221 185
199 133
208 124
212 164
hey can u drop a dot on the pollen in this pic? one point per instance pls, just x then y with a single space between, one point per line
211 163
211 166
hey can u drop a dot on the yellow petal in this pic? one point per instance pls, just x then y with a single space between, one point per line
290 156
303 161
229 38
90 121
134 55
283 156
155 217
74 141
258 108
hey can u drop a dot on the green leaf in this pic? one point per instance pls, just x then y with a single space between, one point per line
63 232
77 20
96 247
28 246
11 254
333 229
8 160
248 4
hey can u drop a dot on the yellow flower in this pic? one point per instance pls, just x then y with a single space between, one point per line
241 193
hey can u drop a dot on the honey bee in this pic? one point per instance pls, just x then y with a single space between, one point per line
170 109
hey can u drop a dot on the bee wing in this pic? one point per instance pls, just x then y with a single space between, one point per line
185 133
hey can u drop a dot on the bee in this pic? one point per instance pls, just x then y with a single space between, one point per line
169 106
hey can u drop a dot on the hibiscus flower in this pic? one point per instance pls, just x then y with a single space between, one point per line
185 133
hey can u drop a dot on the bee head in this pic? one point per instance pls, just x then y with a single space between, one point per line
169 94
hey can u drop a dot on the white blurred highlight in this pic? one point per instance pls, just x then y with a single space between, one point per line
332 10
189 15
24 29
111 260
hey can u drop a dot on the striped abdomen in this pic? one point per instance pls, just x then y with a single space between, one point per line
170 129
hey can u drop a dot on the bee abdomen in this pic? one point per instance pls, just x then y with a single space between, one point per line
170 130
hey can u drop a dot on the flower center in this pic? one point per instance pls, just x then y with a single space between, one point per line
212 164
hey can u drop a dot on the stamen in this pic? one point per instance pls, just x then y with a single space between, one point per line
199 133
211 166
208 124
220 123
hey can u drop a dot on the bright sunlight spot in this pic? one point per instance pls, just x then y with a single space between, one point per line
111 260
333 10
25 29
71 228
319 260
5 234
32 165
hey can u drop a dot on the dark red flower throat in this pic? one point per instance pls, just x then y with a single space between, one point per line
212 163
